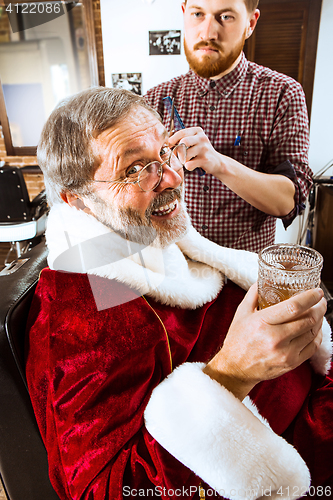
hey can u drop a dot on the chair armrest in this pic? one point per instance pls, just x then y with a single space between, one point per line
39 205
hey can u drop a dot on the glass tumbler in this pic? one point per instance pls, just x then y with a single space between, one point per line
286 270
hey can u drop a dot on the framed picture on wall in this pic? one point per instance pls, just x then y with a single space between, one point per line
128 81
164 43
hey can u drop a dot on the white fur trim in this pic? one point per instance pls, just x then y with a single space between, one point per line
239 266
166 275
223 440
321 361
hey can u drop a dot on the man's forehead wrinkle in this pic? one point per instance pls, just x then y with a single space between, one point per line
119 144
127 143
134 131
132 151
136 150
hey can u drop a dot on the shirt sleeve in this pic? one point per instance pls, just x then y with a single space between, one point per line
289 144
288 170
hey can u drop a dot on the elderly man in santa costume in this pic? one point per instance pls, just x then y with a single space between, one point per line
149 371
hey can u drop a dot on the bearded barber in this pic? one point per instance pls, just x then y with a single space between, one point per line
246 126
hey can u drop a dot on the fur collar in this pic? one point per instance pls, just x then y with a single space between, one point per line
187 274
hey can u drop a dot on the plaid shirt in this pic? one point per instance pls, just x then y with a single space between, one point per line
267 112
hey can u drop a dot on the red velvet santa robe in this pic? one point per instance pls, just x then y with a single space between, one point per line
91 374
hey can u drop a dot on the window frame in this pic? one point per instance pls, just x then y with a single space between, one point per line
95 52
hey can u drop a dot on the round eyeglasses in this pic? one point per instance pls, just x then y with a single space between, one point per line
150 176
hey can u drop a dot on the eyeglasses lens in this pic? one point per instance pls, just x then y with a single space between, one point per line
178 157
150 176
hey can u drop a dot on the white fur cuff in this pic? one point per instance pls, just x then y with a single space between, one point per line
322 359
224 441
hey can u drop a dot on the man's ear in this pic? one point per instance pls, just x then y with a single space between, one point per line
253 21
73 200
183 7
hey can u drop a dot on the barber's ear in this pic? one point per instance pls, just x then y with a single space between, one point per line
253 21
73 201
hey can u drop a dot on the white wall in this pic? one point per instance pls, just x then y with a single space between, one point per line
321 126
125 27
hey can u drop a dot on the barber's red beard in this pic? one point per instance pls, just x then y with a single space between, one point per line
208 66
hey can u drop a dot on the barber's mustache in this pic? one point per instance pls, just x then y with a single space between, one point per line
164 199
211 44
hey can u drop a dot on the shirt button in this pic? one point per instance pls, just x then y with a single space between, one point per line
212 108
212 84
204 226
206 188
245 153
225 92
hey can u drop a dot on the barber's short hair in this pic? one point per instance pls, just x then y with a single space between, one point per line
251 5
65 152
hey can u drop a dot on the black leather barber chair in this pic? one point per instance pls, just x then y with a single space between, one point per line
22 222
23 460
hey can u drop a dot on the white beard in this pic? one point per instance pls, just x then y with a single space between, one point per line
131 226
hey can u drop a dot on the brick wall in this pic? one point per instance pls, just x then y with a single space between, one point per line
14 160
4 33
35 182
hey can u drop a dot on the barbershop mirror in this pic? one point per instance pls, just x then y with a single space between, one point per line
47 53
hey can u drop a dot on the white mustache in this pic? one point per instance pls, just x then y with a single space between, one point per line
164 199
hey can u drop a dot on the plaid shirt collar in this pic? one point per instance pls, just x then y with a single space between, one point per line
224 85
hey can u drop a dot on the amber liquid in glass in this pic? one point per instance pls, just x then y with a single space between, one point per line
284 294
281 291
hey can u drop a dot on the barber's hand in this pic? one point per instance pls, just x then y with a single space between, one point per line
262 345
200 152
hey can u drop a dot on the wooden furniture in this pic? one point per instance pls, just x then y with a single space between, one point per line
285 39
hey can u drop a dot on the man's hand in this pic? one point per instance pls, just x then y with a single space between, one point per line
200 152
270 193
262 345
